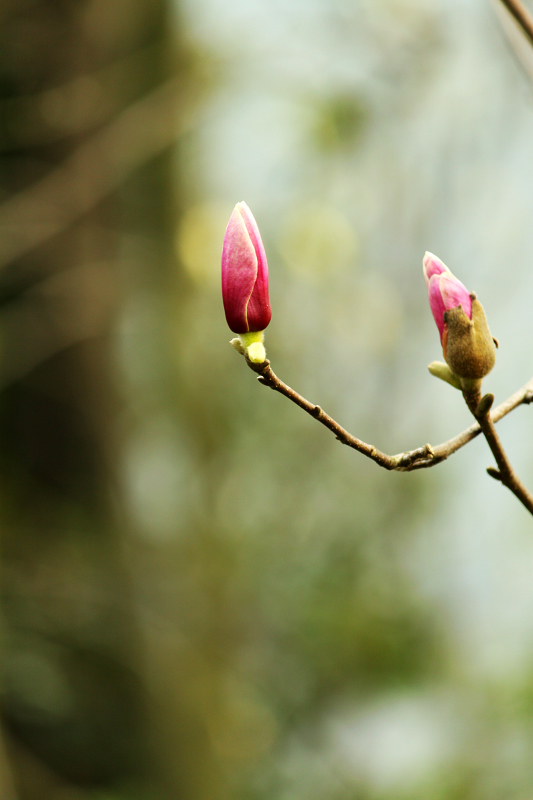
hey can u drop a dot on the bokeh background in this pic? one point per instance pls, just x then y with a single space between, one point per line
204 596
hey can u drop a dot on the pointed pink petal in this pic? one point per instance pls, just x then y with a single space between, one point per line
432 266
455 294
258 311
239 272
436 303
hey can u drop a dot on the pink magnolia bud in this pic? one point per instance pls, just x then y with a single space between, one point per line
445 292
244 274
467 345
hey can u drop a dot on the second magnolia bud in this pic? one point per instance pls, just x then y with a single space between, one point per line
470 350
467 344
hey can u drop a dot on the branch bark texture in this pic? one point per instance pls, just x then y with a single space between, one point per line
480 407
517 9
419 458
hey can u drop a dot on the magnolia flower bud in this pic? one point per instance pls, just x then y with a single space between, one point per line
467 345
244 274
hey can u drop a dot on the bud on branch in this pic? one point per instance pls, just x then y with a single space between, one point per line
467 346
245 282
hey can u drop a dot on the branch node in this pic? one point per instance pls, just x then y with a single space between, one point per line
494 473
484 406
424 454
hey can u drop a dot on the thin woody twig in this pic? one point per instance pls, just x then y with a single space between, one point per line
505 473
420 458
268 378
517 9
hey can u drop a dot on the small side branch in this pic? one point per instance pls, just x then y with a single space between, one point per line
517 9
268 378
505 472
420 458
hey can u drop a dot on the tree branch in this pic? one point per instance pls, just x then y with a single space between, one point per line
517 9
505 473
420 458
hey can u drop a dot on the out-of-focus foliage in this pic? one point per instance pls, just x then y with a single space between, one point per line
203 595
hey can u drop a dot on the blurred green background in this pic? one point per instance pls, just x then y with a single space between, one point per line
204 596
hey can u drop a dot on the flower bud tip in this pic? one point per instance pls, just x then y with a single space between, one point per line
244 274
256 353
442 371
237 344
467 344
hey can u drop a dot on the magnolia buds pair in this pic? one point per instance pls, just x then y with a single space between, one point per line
467 345
245 283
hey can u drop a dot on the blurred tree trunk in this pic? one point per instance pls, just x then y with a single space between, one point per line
73 704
